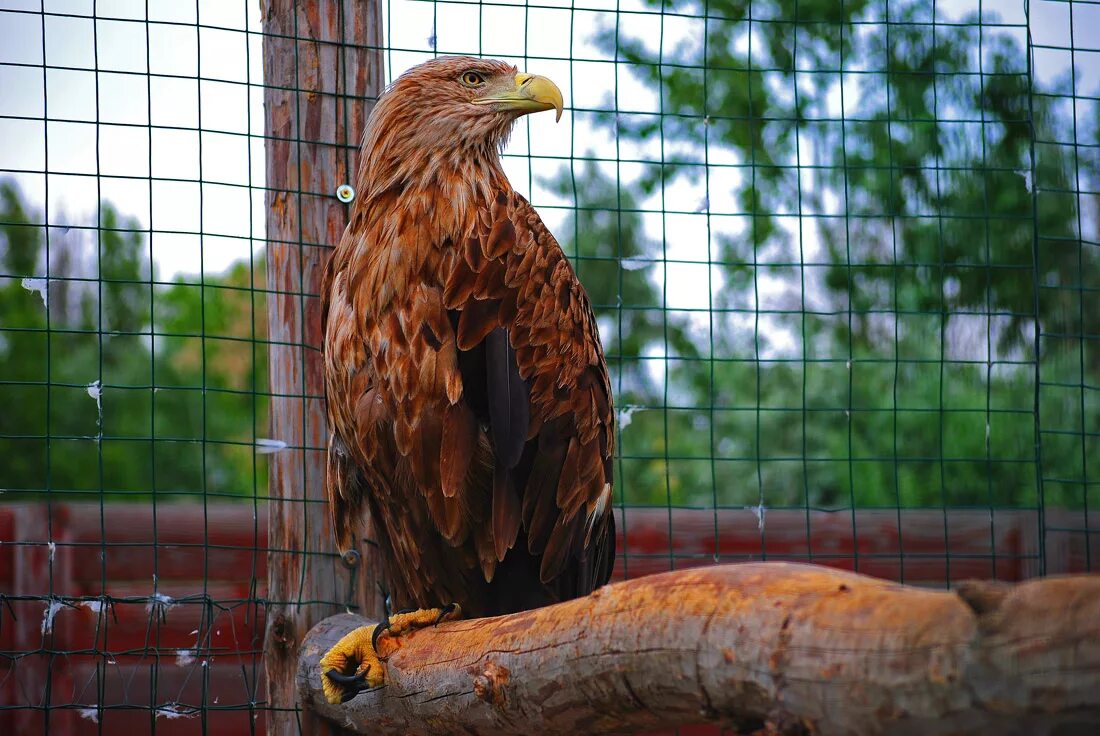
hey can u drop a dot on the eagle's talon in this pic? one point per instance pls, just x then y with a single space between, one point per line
351 685
351 666
340 678
446 611
354 664
378 631
418 618
352 692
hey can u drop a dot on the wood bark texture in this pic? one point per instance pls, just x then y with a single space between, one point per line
322 70
774 648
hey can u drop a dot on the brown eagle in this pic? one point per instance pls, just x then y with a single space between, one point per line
468 397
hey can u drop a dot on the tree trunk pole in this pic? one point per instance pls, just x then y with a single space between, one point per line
774 648
322 71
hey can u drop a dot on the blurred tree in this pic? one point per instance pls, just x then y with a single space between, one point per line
617 263
904 189
122 384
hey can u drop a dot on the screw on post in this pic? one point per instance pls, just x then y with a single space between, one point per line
351 558
345 193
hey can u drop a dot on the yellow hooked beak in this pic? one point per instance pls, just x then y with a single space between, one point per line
531 93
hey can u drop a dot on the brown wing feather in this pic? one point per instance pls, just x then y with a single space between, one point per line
390 382
459 440
523 284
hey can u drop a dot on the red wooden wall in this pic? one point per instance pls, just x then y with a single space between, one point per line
192 658
194 635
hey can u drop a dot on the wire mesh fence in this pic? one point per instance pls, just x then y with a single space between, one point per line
845 259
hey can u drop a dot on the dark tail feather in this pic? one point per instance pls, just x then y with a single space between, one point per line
540 508
507 392
506 510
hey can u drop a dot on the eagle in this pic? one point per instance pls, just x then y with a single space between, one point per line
469 405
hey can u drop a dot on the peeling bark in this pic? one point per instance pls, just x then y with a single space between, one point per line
776 647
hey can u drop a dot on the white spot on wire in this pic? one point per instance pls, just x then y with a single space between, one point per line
626 415
41 286
185 657
175 710
634 264
91 714
265 446
759 511
160 603
1026 175
47 615
95 390
52 547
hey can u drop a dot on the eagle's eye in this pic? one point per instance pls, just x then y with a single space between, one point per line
473 79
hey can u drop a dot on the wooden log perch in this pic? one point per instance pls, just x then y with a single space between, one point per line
775 648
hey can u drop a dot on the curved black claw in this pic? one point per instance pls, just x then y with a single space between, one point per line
351 685
445 611
378 631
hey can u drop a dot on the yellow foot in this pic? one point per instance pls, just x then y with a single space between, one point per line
406 621
354 665
351 666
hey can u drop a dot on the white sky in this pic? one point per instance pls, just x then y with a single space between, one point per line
88 162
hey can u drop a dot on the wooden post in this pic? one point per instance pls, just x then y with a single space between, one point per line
322 70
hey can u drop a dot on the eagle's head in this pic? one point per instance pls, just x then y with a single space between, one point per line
452 108
460 98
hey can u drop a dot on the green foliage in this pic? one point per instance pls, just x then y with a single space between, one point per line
618 264
123 385
939 200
